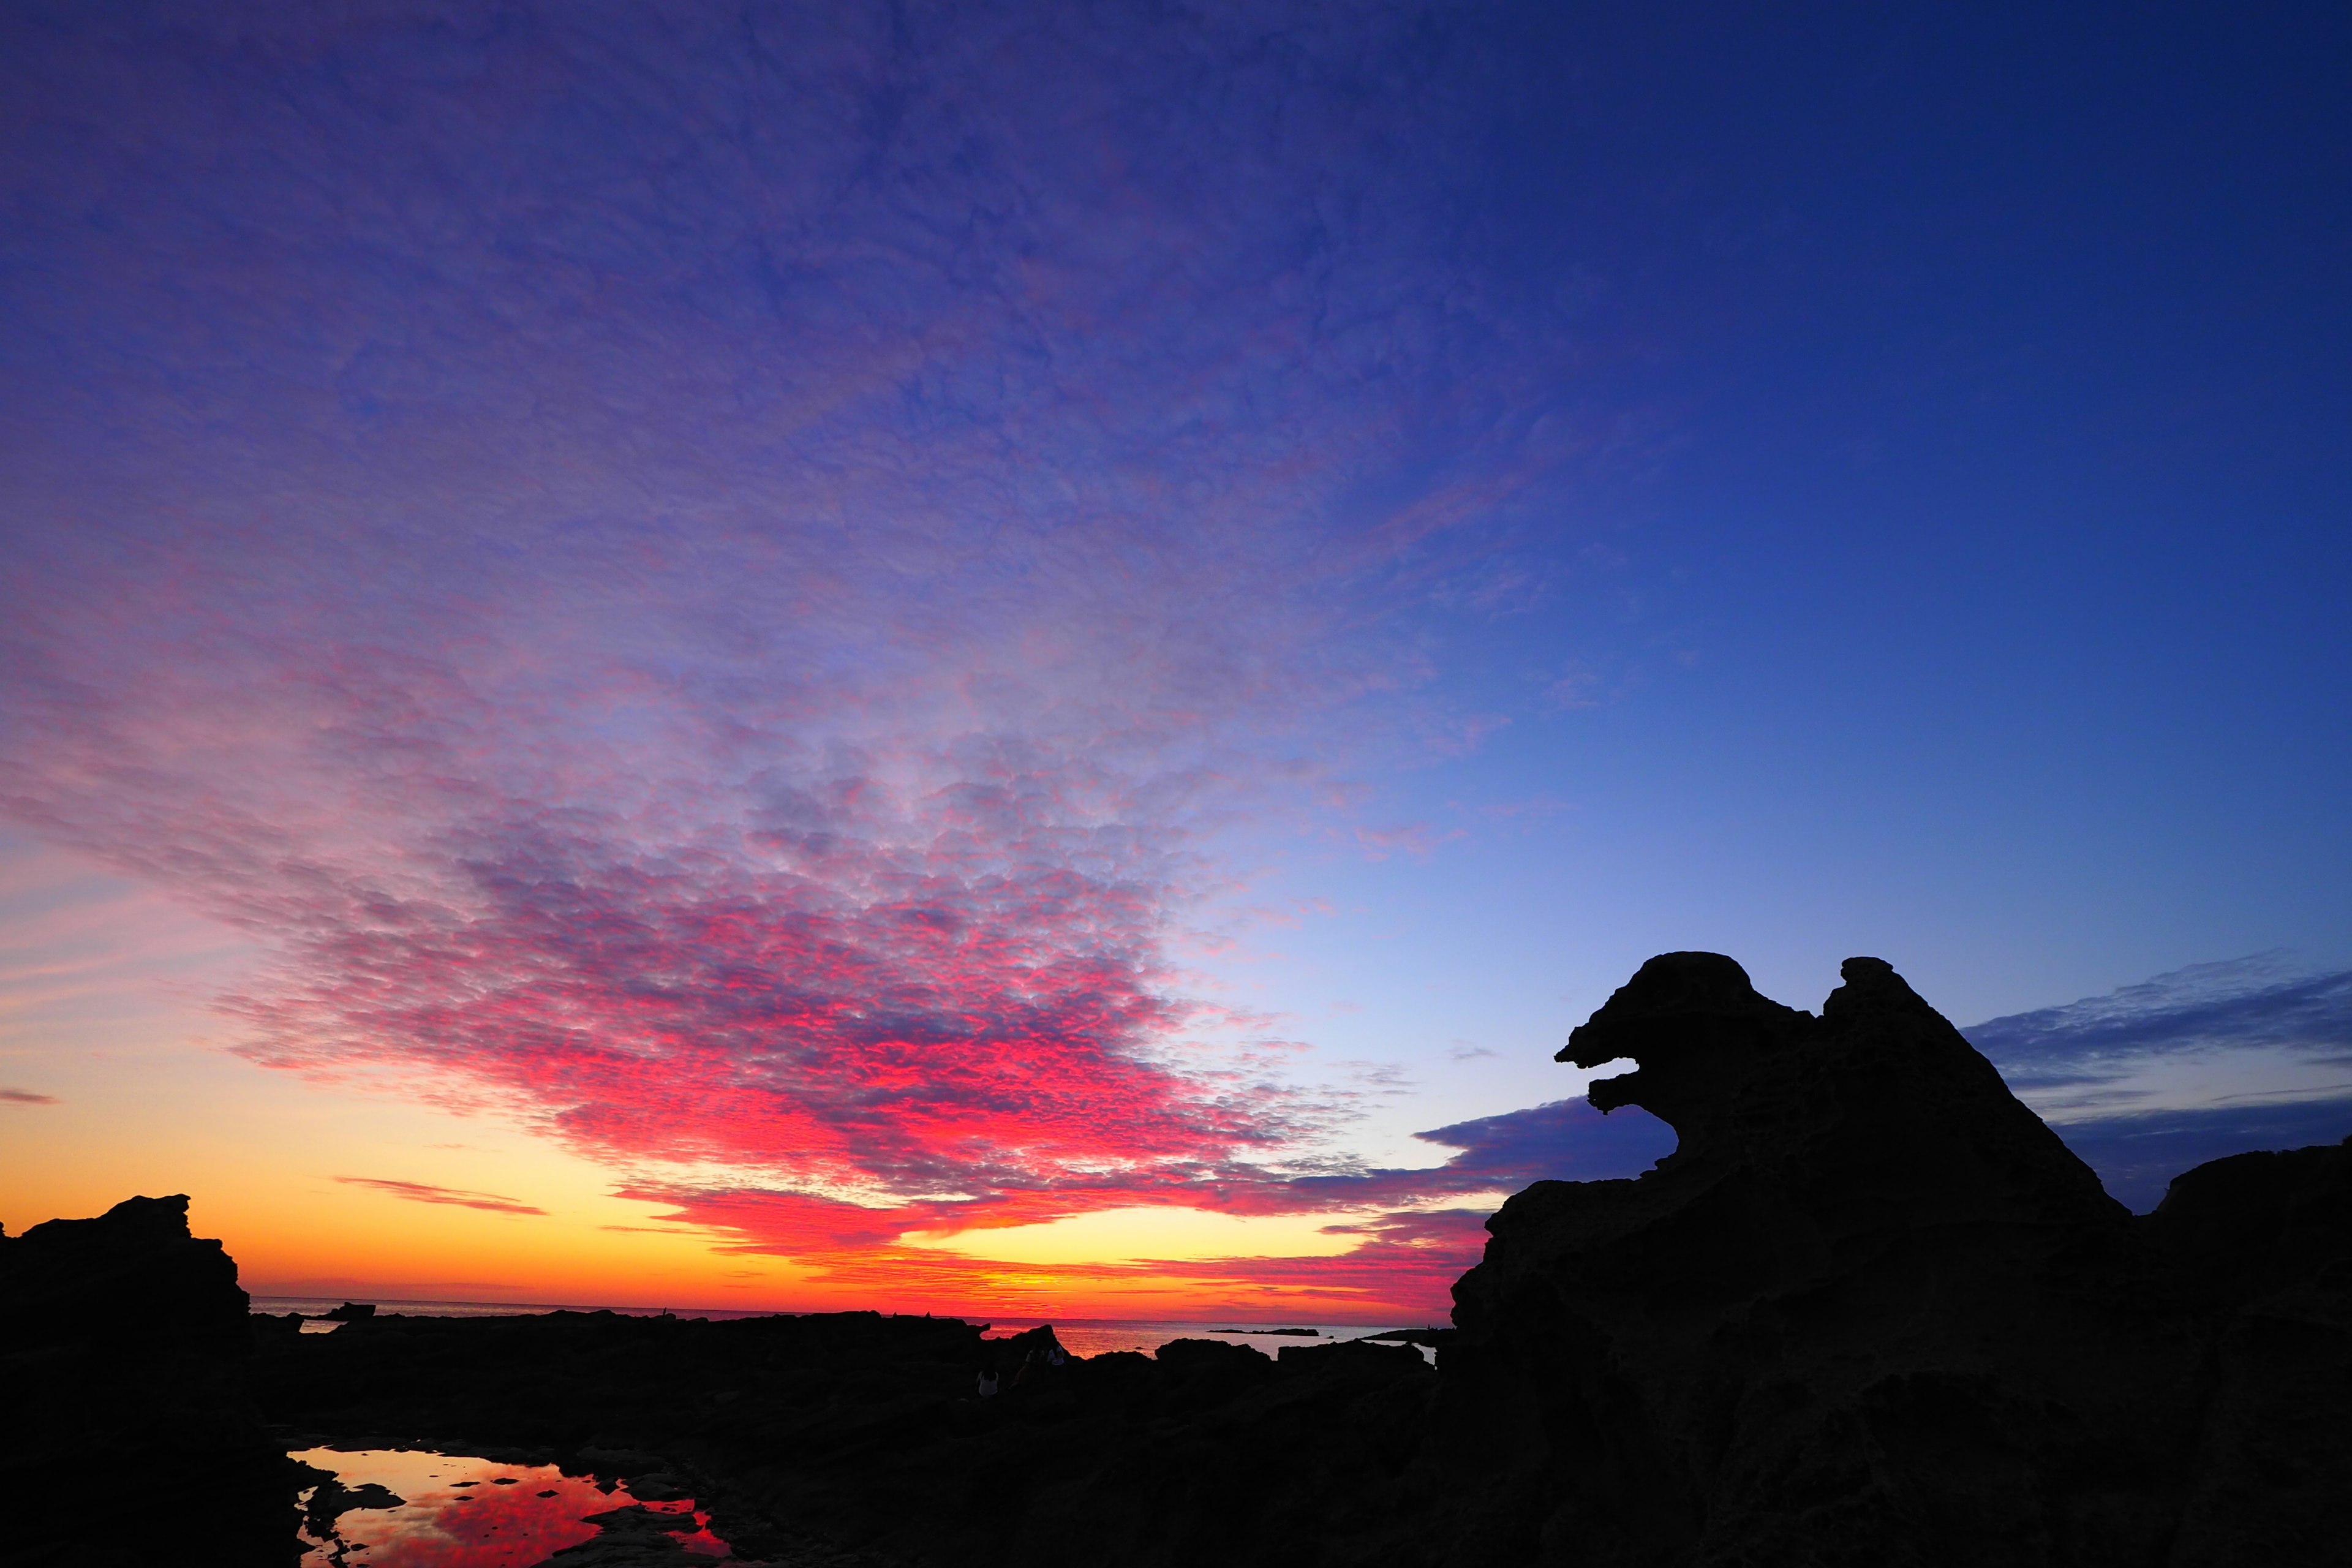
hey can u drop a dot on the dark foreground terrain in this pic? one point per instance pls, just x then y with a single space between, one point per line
1871 1311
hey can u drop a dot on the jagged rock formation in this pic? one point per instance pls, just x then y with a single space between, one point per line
122 1348
1873 1311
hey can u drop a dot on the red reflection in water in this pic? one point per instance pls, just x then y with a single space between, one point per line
462 1512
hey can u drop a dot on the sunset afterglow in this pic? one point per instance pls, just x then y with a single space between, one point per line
984 661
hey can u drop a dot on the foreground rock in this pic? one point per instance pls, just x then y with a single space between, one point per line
1873 1311
122 1352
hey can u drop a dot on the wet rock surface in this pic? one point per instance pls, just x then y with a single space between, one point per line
632 1537
1871 1312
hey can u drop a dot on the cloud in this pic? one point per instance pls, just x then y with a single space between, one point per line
1406 1264
25 1096
2278 1025
2267 1001
2214 1059
426 1193
2138 1155
1417 840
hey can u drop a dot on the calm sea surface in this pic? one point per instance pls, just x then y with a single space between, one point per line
1079 1336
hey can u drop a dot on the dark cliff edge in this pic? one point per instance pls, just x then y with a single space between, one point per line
123 1345
1871 1312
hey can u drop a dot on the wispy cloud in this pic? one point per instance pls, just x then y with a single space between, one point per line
1417 840
25 1096
2149 1080
426 1193
2281 1026
2137 1155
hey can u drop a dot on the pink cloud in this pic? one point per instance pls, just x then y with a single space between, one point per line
426 1193
1418 840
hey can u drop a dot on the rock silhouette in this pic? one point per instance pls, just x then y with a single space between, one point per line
122 1353
1871 1312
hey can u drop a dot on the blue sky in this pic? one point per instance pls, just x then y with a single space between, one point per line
869 622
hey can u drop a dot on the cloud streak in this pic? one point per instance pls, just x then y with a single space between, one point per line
426 1193
2148 1080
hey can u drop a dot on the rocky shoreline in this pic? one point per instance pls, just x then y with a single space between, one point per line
1872 1311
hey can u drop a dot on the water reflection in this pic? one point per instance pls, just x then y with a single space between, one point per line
416 1509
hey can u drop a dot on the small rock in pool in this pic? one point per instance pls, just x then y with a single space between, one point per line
657 1487
549 1492
331 1499
504 1481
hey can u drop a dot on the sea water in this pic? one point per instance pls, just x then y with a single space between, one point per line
1099 1336
1079 1336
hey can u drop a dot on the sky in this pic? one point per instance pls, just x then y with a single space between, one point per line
1031 658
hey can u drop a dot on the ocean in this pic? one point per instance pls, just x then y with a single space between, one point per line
1079 1336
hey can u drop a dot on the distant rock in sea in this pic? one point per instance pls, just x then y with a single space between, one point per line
1433 1337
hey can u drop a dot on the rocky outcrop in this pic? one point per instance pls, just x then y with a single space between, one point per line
2258 1247
1873 1311
123 1349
